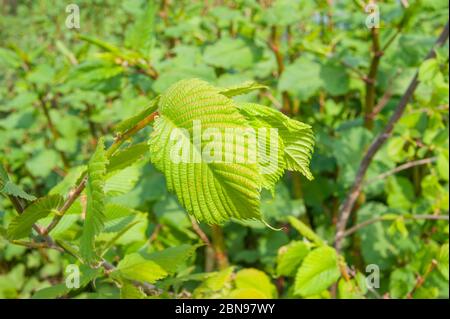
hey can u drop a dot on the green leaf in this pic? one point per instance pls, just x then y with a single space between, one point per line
290 257
127 156
130 291
305 231
171 258
136 267
9 188
429 70
155 266
94 221
123 181
72 178
352 289
21 225
141 35
297 137
12 189
243 88
56 291
443 261
213 192
251 278
128 123
318 271
116 237
335 78
301 79
231 53
217 285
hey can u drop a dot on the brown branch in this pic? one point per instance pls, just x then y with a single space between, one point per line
421 279
402 168
201 234
274 45
352 196
372 78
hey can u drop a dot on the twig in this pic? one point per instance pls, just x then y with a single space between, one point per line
377 53
402 168
49 242
80 187
374 220
384 99
350 200
199 231
421 279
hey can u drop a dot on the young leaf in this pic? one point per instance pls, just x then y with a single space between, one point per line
298 138
130 291
136 267
154 266
243 88
141 35
213 192
21 225
127 156
305 231
251 278
318 271
94 220
289 258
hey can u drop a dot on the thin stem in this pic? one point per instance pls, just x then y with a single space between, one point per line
355 191
402 168
372 78
374 220
111 150
421 279
52 128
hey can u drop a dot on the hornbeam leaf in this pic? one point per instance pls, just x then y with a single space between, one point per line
12 189
56 291
243 88
21 225
298 138
9 188
154 266
136 267
213 191
318 271
94 221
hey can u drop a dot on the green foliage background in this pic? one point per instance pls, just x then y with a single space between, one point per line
62 89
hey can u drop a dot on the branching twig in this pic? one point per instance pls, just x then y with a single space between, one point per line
402 168
44 233
80 187
374 220
350 200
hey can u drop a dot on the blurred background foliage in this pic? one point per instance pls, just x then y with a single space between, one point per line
61 89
